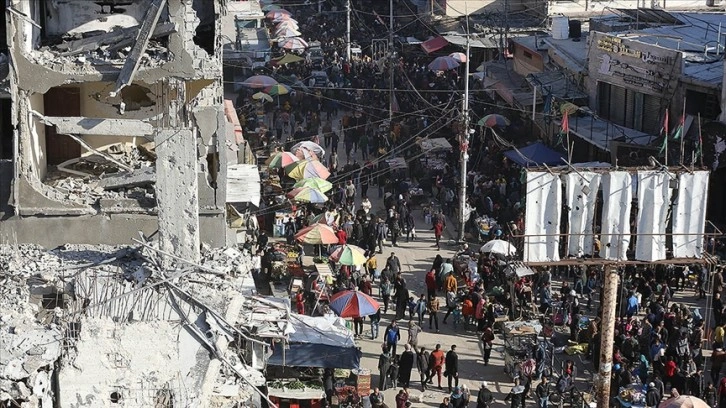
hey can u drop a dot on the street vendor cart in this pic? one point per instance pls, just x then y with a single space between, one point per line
520 338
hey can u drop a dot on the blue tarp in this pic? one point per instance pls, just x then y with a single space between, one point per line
316 355
535 154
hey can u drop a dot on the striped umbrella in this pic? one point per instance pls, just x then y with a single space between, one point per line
287 24
352 303
493 120
293 43
281 159
317 234
307 168
277 89
259 81
307 195
316 183
273 14
349 255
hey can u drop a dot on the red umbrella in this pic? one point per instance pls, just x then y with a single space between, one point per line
352 303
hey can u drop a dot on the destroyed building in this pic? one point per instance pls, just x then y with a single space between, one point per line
115 123
100 326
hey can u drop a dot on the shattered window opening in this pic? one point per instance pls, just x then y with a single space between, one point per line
204 34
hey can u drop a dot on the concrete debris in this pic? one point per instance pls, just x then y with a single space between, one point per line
93 177
101 322
141 177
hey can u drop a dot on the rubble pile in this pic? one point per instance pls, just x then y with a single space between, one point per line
113 47
36 334
87 192
80 180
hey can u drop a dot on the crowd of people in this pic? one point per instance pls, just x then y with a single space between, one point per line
658 343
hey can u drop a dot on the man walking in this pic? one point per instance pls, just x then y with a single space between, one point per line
392 337
436 363
422 364
452 366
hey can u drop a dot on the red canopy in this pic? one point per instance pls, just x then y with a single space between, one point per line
434 44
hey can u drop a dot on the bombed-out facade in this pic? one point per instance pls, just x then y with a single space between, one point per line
113 123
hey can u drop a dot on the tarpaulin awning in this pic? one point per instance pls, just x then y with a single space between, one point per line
318 342
534 155
316 355
434 44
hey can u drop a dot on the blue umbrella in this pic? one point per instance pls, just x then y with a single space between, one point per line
352 303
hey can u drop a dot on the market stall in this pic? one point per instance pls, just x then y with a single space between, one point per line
520 337
353 387
296 393
318 342
285 262
632 396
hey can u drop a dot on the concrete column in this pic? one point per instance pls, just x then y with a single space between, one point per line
177 189
607 338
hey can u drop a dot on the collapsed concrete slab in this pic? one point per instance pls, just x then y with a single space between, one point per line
108 328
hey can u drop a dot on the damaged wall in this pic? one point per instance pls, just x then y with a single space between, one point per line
136 101
178 54
83 16
144 363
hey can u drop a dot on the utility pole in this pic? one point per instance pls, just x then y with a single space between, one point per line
607 338
347 32
464 142
390 67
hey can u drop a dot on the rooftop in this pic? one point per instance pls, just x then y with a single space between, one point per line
696 38
569 54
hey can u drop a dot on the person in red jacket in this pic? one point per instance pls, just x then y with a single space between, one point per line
431 284
342 236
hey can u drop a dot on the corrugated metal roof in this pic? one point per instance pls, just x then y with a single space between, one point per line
696 38
477 42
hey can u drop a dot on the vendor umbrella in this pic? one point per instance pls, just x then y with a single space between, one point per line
287 59
281 159
283 17
308 145
262 96
317 234
307 195
458 56
349 255
273 14
259 81
293 43
352 303
443 64
684 401
290 23
316 183
498 246
282 33
307 168
277 90
493 120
